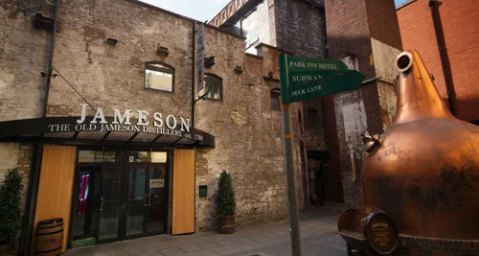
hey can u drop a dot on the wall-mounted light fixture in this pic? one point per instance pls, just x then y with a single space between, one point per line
162 51
41 22
238 70
111 41
210 62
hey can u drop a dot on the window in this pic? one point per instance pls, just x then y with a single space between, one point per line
249 27
159 76
214 87
275 99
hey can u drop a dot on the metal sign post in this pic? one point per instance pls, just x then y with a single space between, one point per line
292 206
301 79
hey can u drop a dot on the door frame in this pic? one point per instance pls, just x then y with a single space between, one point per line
124 166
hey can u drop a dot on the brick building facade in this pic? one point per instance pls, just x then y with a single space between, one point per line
103 54
457 23
286 24
364 35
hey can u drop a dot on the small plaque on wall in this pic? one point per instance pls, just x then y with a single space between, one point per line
203 191
157 183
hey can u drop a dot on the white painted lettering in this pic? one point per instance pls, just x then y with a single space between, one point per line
83 113
185 124
169 119
142 118
99 115
158 119
121 119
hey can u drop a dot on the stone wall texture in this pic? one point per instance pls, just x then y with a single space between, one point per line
88 70
298 28
23 57
366 34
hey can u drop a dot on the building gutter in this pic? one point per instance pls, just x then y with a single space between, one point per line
28 226
441 43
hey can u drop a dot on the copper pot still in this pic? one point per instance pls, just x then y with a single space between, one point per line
424 171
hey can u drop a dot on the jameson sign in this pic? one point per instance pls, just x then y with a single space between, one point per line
308 78
124 121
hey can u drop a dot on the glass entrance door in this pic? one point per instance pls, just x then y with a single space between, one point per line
84 226
119 200
136 201
146 200
157 201
110 204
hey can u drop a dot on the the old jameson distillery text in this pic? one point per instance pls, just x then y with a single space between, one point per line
122 121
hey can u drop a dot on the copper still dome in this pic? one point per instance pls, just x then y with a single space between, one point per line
424 171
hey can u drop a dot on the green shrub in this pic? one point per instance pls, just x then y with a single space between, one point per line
10 192
225 199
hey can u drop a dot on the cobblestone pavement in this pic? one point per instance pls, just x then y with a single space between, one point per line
318 237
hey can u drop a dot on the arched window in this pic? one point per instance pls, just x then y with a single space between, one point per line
159 76
214 87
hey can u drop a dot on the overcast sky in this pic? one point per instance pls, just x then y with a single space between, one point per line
201 10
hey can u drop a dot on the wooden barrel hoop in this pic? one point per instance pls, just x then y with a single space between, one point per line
49 237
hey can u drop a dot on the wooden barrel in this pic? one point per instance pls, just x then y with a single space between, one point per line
381 233
48 237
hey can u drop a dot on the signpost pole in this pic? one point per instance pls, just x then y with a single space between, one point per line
292 207
301 79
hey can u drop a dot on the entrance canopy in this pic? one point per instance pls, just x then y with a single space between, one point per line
109 132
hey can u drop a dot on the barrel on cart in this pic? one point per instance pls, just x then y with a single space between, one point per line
48 237
368 230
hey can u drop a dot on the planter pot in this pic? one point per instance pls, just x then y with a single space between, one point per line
226 224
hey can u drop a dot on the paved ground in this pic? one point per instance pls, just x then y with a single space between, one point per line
318 237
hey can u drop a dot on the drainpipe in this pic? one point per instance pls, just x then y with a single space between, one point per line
193 65
441 43
193 43
50 59
28 226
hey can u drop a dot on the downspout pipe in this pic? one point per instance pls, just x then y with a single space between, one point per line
50 59
446 66
28 226
193 43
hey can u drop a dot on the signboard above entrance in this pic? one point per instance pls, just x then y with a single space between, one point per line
127 126
308 78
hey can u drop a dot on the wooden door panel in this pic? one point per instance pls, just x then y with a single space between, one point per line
55 188
183 192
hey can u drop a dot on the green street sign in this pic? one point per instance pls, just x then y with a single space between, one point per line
308 78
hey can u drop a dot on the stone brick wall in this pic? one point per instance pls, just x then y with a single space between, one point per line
22 59
248 135
300 30
461 36
113 76
365 33
247 130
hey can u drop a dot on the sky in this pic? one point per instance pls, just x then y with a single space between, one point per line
201 10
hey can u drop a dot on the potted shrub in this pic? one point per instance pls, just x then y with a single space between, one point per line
10 192
225 204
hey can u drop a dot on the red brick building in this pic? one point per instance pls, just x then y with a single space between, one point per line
458 21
